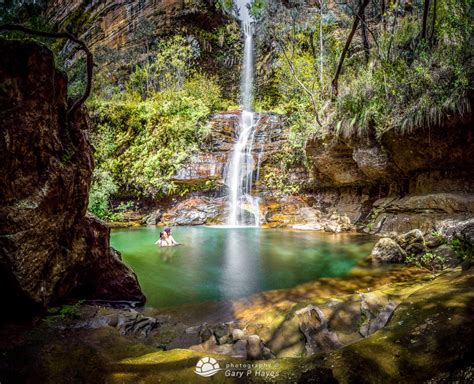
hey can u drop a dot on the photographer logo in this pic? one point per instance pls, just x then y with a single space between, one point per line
207 366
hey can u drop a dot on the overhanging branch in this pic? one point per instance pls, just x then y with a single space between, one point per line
62 35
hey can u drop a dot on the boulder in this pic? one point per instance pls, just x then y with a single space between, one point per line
412 237
461 229
205 333
238 334
103 275
254 348
433 240
49 249
137 324
153 218
448 255
379 321
240 349
314 326
387 250
416 249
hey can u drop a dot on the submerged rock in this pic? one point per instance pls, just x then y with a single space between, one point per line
49 248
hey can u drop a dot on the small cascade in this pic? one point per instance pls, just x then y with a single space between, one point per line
240 174
242 165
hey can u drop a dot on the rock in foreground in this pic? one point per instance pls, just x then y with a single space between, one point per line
49 249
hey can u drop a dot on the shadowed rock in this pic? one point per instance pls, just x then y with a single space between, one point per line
314 326
49 248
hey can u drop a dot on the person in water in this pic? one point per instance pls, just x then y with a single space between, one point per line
163 240
170 239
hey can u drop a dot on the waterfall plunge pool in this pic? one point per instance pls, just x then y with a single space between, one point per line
217 263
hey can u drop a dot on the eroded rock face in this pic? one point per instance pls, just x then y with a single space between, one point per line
113 23
424 176
424 211
48 247
396 157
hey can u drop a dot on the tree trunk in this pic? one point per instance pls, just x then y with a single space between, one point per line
392 34
382 11
433 23
426 10
321 45
346 47
365 37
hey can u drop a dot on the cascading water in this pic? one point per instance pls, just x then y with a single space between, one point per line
241 167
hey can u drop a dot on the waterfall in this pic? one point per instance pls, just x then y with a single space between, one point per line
241 166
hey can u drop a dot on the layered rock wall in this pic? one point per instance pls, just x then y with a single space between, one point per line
211 162
113 23
418 179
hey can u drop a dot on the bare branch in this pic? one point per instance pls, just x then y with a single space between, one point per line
347 45
62 35
301 84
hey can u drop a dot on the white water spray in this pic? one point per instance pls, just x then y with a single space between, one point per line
241 166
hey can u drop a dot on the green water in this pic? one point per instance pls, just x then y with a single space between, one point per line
216 263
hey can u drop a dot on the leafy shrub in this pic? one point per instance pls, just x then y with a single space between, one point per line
431 261
67 311
143 143
103 187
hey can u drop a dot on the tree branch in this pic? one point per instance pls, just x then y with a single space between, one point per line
346 47
301 84
62 35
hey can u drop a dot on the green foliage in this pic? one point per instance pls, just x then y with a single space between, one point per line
433 262
147 127
462 248
103 187
414 84
257 8
168 68
225 5
64 312
407 83
143 143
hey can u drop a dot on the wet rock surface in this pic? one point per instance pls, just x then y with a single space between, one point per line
210 164
49 248
197 211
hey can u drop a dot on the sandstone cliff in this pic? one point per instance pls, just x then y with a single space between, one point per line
49 248
415 179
